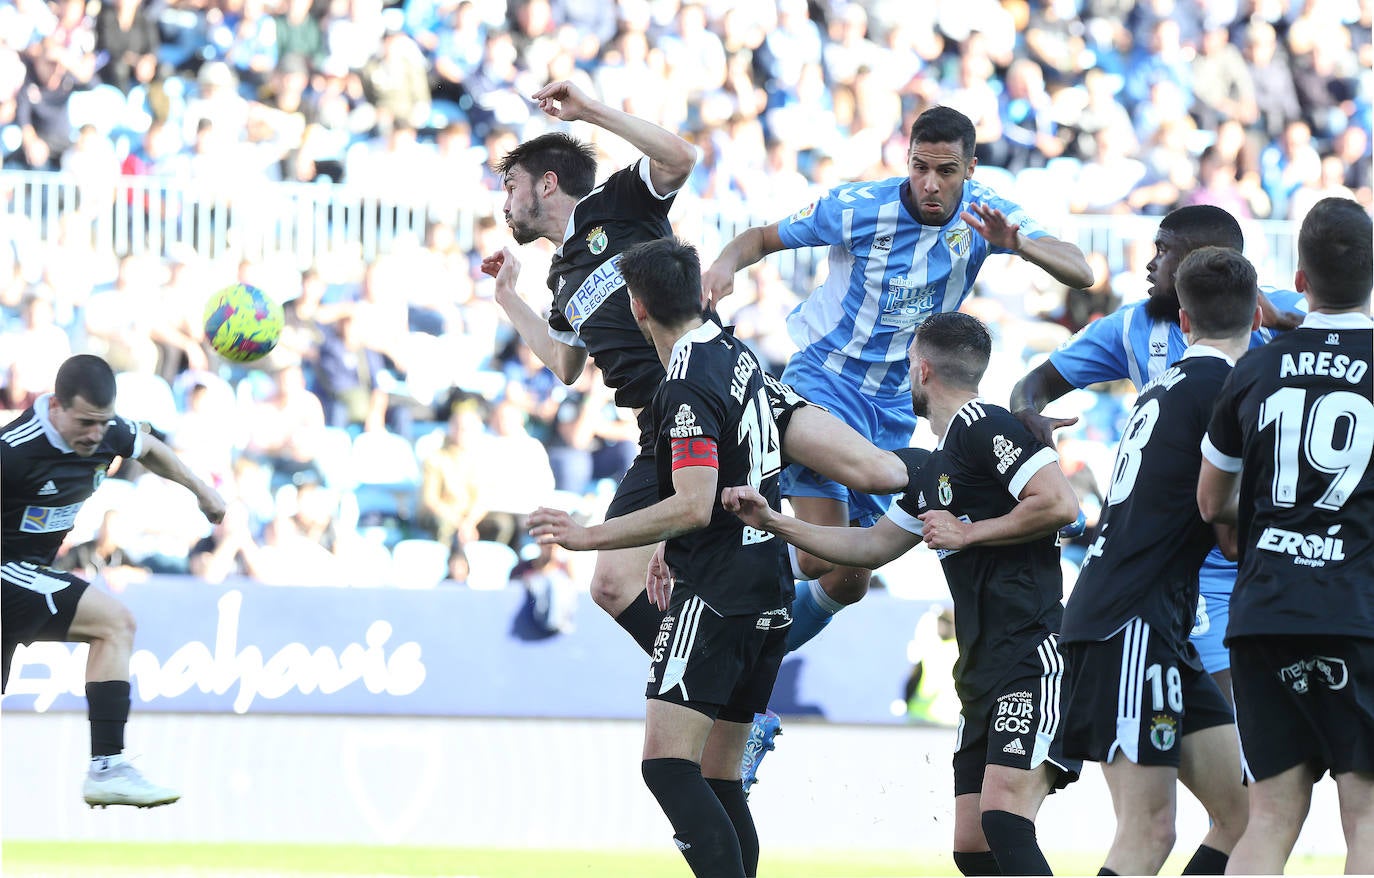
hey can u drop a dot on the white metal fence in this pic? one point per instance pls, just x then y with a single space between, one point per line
309 221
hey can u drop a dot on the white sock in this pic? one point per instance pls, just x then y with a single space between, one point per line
104 763
823 600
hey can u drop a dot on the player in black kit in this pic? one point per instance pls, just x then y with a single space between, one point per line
991 500
53 457
718 649
1294 427
551 193
1136 696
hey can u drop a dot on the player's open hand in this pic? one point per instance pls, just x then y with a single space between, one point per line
992 224
717 282
491 265
746 502
562 100
940 530
1041 427
659 582
556 526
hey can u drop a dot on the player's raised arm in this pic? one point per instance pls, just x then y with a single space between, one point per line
1060 259
564 360
671 158
870 548
1041 386
748 247
162 461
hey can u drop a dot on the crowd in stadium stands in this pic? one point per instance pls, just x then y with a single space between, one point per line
399 406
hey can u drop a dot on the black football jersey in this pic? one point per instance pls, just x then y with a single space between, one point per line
43 482
1006 598
591 306
1151 539
1296 418
714 391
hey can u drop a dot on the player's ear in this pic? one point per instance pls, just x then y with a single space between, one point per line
548 183
1300 281
1257 319
1185 322
968 172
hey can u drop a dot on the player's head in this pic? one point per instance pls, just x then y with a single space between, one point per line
1180 233
939 160
1218 293
536 170
950 349
1334 262
664 280
82 402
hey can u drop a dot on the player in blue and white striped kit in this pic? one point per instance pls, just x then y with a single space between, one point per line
901 250
1139 341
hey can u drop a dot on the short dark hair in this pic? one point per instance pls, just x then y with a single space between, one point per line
944 125
573 161
88 377
958 347
1218 288
665 276
1334 252
1204 225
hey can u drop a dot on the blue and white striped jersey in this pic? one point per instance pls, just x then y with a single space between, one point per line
1128 344
888 272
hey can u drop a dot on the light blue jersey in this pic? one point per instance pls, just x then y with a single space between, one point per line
888 272
1128 344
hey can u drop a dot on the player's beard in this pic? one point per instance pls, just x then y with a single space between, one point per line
1162 307
522 229
920 403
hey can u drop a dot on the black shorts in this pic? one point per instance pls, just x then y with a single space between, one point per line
722 666
1136 694
1016 724
1304 698
36 603
638 488
783 400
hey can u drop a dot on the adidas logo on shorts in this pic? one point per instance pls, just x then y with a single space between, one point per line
47 489
1015 748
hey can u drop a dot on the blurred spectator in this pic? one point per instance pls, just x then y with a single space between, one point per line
1217 185
126 31
41 112
1276 96
284 430
299 31
450 498
104 557
1288 163
1330 183
548 581
31 355
1352 145
1029 132
457 49
1222 83
229 550
521 481
218 100
348 377
396 82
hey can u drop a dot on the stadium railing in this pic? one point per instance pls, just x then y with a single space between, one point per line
308 221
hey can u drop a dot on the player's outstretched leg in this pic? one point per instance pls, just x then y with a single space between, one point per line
108 626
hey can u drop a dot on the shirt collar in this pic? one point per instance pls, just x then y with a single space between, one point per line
1205 350
1347 320
40 411
705 332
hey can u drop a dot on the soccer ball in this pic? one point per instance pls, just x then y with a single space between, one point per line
243 323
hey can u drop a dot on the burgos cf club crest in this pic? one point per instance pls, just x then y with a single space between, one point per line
1163 732
944 491
958 240
597 241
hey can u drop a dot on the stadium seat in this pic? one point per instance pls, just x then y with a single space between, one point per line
146 397
380 457
419 563
489 564
333 454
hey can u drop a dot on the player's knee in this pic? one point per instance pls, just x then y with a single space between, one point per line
847 585
879 472
812 567
611 591
116 626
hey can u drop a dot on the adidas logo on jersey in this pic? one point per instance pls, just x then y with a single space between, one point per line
48 489
1015 748
682 845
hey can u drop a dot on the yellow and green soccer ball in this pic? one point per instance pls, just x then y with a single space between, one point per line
243 323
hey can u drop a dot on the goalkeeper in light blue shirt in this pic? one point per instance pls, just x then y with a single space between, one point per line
900 250
1139 341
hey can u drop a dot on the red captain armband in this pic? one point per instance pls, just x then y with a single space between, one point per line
695 452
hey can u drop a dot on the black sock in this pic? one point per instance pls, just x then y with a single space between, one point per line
641 619
1105 871
1012 839
701 827
1207 861
976 863
107 706
736 804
